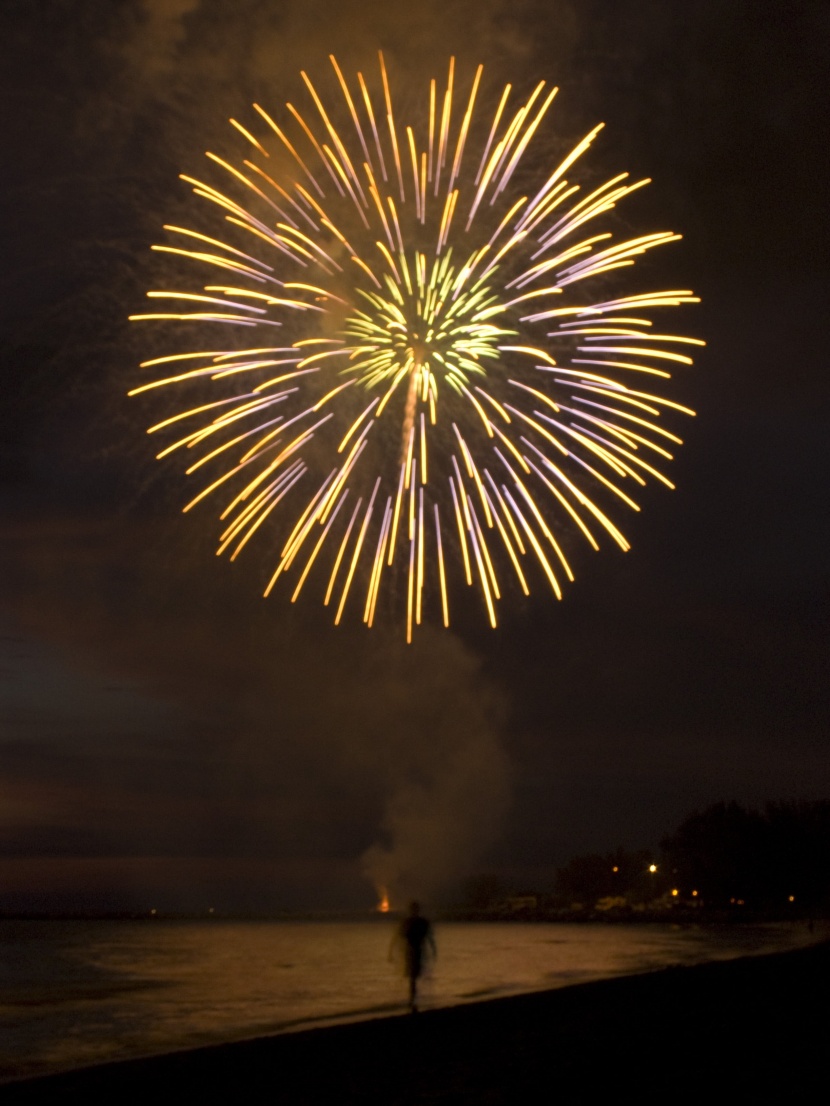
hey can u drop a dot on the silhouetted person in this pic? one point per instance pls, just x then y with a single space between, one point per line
416 937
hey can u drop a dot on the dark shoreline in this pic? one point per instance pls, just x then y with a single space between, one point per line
758 1023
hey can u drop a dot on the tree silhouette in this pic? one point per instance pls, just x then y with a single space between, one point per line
768 859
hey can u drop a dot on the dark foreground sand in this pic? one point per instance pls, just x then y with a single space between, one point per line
755 1026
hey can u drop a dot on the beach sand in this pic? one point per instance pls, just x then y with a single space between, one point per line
758 1025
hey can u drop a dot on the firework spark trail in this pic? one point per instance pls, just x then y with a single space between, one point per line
432 337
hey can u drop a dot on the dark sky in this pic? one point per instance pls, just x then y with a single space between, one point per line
169 738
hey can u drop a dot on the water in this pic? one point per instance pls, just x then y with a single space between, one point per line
78 993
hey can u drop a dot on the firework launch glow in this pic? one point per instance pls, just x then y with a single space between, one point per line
431 380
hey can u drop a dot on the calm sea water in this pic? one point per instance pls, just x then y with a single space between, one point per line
78 993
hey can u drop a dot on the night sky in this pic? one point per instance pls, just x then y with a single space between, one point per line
167 737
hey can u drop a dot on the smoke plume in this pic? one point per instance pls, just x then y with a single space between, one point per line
448 783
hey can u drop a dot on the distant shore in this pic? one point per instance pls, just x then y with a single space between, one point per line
679 915
757 1024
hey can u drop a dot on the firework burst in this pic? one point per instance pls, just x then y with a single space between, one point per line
419 387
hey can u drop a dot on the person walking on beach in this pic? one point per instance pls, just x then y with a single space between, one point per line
418 943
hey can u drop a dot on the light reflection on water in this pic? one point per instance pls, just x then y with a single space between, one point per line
75 993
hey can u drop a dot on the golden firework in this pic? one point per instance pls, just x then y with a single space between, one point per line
418 385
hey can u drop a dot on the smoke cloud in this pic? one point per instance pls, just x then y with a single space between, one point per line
448 784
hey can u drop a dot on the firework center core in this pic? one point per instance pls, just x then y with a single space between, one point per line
431 321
